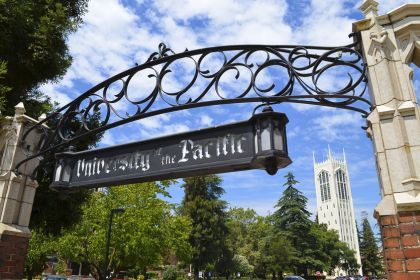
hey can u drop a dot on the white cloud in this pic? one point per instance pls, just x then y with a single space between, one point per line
230 22
206 120
154 122
167 129
56 95
386 6
341 125
326 24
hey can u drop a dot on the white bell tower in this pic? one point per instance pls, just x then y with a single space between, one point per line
335 202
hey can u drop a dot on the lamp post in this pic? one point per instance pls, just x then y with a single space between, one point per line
111 214
270 140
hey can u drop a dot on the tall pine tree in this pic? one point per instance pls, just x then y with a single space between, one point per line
208 215
292 218
291 214
369 252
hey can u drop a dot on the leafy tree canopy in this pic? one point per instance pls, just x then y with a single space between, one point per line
142 236
33 44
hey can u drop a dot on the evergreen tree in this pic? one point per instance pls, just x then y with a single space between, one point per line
291 214
359 237
209 230
369 252
292 218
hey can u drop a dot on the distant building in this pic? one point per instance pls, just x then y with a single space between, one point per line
335 202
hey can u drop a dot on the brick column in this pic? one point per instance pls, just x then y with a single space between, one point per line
13 250
400 235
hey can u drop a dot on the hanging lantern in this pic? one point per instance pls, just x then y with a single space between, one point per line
63 169
270 140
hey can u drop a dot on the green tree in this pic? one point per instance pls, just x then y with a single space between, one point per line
33 44
369 252
142 236
292 218
330 251
348 260
247 230
278 253
33 51
33 47
3 89
207 212
40 247
241 265
291 214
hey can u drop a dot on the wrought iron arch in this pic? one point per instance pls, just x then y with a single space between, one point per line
304 65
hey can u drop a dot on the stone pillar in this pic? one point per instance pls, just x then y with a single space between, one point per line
390 43
16 192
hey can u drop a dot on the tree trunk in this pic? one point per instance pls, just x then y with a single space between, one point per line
196 273
143 271
30 275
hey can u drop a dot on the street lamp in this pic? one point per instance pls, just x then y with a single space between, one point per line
270 140
111 214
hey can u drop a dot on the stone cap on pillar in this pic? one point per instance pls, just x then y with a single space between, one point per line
12 129
20 109
369 8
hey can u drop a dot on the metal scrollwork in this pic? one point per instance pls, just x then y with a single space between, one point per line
170 81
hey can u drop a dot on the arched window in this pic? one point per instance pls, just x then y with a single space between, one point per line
324 186
340 177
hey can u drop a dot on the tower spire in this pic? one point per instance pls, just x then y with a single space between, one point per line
313 157
329 152
344 156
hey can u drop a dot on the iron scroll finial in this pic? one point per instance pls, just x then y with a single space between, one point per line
163 51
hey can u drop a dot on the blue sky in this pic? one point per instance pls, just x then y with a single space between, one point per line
117 34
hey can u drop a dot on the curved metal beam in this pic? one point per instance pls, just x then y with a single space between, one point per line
204 73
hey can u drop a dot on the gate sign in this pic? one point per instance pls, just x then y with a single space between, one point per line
232 147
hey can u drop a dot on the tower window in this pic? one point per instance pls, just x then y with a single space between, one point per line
324 186
341 184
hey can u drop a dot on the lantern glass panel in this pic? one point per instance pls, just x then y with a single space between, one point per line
278 136
265 135
58 173
256 142
66 174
